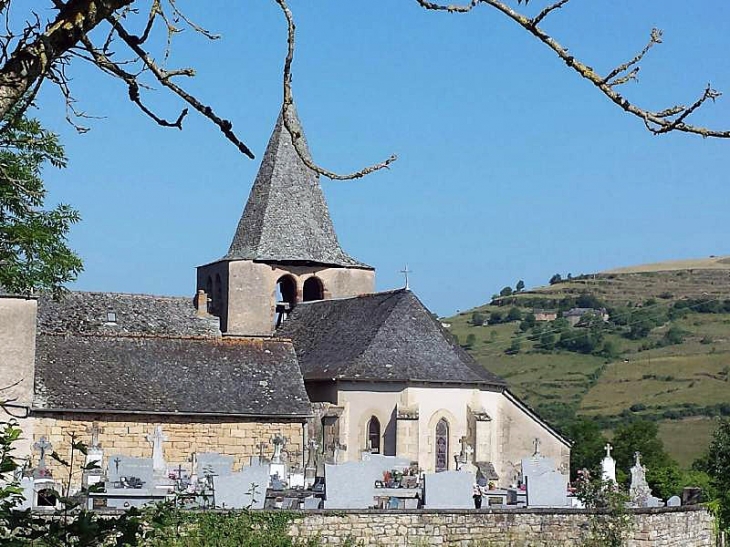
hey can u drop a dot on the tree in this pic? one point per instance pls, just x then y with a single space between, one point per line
35 50
496 317
514 347
588 446
520 286
641 436
718 467
557 278
470 341
478 319
33 251
506 291
514 314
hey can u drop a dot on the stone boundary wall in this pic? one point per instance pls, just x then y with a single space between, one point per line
661 527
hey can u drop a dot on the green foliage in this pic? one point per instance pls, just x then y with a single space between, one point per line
514 347
496 317
557 278
520 286
718 468
611 522
478 319
588 444
514 314
33 251
506 291
674 335
470 341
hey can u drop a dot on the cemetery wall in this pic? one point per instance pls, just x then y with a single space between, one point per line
661 527
127 435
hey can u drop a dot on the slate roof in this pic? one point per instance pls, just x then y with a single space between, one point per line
168 375
141 314
387 336
286 217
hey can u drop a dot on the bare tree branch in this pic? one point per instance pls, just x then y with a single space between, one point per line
165 78
29 62
296 136
656 122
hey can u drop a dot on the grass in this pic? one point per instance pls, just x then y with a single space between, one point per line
686 437
691 374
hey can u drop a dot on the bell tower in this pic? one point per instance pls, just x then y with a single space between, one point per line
284 251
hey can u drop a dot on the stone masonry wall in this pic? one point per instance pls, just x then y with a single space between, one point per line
665 527
127 435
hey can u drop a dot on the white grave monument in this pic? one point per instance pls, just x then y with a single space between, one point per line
277 466
639 490
608 466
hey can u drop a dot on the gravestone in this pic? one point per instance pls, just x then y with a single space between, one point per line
241 490
127 467
546 486
448 490
158 456
608 466
674 501
351 485
212 463
639 490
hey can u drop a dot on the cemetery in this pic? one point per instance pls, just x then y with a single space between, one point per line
208 480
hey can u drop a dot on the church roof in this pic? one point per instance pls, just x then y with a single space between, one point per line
286 217
387 336
116 374
123 314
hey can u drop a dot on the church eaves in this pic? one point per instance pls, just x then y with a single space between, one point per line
286 217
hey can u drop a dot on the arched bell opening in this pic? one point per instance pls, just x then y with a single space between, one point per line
286 297
313 289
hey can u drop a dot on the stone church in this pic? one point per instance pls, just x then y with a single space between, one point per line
285 334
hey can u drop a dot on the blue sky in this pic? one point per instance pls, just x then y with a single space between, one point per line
510 166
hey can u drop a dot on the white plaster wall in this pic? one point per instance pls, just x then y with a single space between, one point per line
17 363
513 428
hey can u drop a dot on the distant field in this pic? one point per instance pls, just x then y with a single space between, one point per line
711 263
687 439
671 381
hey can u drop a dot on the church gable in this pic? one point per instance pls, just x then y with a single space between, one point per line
168 375
387 336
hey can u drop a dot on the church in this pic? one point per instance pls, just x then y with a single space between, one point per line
285 335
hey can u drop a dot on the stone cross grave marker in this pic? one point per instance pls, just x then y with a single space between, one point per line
42 446
158 457
279 443
95 430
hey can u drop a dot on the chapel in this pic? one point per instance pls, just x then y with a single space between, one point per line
286 335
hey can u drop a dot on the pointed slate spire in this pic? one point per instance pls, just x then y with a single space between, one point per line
286 217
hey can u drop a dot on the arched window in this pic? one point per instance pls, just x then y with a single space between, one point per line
373 439
442 445
286 297
313 289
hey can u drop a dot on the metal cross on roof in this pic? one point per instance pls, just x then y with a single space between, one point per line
405 271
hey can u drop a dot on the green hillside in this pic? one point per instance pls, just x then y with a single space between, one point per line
663 354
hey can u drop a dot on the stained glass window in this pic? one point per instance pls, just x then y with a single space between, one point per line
442 445
374 435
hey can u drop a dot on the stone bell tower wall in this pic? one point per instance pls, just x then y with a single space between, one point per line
246 301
